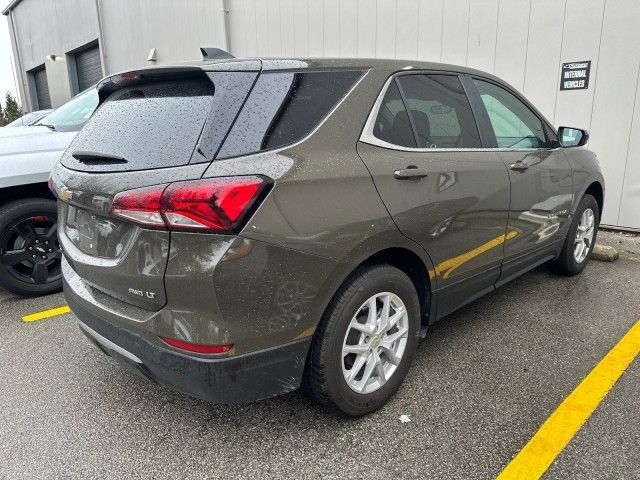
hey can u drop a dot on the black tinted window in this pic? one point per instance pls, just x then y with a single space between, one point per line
231 90
514 124
284 107
440 112
150 125
393 125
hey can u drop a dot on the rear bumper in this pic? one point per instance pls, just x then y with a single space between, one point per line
238 379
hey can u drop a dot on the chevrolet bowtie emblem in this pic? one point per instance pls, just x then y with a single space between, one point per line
65 193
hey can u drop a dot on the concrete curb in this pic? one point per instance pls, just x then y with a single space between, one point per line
604 253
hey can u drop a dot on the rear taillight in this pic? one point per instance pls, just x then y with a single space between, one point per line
196 347
214 205
142 206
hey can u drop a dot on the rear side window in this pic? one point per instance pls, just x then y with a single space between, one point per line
284 107
160 124
439 110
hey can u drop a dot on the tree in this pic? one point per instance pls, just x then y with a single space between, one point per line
11 108
2 120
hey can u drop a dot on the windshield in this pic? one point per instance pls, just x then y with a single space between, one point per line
27 119
74 114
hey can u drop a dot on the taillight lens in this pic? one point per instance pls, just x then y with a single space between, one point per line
215 205
142 206
196 347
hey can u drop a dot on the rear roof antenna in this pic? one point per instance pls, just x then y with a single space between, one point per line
214 53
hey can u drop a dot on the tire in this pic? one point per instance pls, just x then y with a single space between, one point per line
325 379
567 263
28 228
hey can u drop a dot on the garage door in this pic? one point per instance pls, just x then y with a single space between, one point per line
42 88
88 67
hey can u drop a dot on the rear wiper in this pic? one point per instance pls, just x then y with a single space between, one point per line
97 158
50 127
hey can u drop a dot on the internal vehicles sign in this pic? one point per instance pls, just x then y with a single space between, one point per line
575 75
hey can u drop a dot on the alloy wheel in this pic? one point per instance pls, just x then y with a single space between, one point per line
375 342
584 236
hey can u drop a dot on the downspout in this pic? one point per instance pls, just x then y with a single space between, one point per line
103 55
225 24
26 99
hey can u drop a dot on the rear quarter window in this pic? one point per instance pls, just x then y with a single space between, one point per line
284 107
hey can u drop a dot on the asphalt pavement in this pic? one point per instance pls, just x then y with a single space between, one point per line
483 382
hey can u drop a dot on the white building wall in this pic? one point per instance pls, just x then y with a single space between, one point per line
523 41
614 104
46 28
176 29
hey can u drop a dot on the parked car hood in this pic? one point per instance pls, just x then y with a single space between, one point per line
27 154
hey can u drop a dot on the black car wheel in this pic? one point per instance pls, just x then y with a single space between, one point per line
29 251
580 239
366 340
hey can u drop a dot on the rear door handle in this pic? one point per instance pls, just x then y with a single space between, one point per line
519 166
410 172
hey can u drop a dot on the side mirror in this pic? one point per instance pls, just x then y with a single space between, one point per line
572 137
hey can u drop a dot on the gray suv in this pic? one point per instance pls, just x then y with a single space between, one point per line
236 229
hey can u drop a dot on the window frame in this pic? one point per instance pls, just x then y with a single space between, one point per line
480 115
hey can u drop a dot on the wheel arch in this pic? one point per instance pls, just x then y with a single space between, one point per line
20 192
413 266
416 265
595 190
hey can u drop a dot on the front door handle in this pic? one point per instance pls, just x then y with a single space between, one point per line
519 166
410 172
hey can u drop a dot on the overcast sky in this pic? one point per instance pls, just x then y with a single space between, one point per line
6 69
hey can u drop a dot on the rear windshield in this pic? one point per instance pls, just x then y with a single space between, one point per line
158 124
148 126
284 107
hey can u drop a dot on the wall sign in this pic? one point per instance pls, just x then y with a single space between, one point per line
575 75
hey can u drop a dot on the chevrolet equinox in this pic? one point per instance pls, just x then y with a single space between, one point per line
235 229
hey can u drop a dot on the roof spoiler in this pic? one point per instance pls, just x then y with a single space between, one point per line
214 53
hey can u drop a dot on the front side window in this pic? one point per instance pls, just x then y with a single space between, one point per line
514 124
427 111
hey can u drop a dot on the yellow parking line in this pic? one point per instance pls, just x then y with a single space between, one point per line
46 314
554 434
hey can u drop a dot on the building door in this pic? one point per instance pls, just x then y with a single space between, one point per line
41 89
88 67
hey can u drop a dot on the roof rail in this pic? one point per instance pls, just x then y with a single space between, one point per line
209 53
